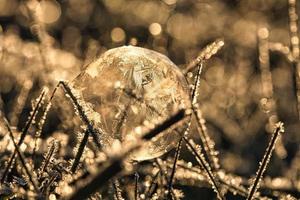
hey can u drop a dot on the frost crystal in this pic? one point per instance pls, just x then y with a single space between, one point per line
158 85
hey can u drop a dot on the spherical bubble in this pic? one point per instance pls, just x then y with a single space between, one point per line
144 73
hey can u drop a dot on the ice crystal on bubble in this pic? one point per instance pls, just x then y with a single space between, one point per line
146 73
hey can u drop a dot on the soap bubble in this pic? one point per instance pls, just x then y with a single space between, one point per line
151 77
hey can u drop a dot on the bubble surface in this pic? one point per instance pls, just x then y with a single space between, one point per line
151 87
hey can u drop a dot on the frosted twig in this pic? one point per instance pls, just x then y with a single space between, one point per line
93 131
52 150
20 101
136 188
111 169
24 133
263 164
196 151
80 151
153 186
21 157
164 125
170 184
118 191
210 50
44 116
206 142
114 166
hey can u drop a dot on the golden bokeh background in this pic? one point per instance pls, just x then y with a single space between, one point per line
42 42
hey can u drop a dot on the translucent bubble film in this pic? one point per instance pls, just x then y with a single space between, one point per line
109 82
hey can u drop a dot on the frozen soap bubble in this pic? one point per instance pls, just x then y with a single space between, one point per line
149 75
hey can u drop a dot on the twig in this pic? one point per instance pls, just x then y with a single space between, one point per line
170 184
196 150
21 157
23 134
206 142
99 180
20 101
115 165
136 190
210 50
80 151
263 164
94 131
165 125
49 156
118 191
149 193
